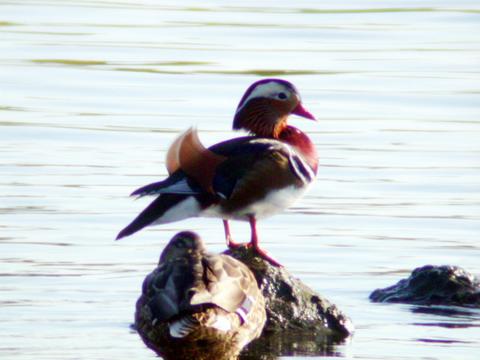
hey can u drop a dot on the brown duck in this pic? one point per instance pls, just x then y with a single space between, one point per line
198 305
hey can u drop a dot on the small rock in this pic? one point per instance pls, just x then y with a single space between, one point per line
433 285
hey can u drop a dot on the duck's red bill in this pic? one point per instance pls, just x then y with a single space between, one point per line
301 111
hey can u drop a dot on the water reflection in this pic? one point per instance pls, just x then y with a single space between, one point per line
447 325
443 341
451 311
273 345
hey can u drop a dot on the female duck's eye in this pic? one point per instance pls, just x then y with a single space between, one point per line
282 96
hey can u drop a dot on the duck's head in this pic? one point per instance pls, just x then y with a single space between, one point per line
266 105
185 244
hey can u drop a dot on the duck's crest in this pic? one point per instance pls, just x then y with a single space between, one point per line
263 88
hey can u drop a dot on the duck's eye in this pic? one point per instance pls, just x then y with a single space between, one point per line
282 96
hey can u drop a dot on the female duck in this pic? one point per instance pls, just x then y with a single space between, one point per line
197 305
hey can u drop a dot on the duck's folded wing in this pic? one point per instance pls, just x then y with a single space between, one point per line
188 154
219 169
254 165
227 284
191 167
177 183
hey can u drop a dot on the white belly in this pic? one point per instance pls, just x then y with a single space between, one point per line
272 204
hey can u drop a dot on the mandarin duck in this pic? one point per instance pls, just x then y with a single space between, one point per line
197 305
245 178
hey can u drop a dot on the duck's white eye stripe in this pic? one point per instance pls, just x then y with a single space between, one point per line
269 89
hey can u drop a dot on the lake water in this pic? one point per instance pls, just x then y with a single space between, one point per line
93 92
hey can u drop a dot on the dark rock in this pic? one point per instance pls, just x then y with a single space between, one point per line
299 320
433 285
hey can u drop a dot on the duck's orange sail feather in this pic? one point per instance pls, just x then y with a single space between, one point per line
188 154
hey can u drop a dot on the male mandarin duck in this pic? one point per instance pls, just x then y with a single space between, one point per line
198 305
245 178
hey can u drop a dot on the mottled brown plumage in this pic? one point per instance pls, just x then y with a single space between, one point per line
195 298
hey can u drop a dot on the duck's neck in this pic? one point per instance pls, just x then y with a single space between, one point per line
301 143
261 117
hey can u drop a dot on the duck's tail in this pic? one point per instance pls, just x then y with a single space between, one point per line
164 209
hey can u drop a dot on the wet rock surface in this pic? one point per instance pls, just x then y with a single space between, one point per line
433 285
299 320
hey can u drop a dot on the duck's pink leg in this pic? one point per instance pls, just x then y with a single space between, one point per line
228 236
254 243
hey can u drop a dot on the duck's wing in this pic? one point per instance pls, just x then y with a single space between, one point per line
177 183
253 166
191 167
195 169
188 154
226 283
